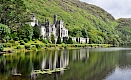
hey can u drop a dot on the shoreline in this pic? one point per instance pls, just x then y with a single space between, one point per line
8 50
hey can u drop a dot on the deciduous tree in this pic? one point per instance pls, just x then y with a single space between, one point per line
25 31
4 31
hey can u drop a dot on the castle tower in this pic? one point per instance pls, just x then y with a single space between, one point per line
55 18
34 20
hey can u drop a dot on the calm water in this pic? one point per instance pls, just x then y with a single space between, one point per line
83 64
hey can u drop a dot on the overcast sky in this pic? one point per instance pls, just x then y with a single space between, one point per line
118 8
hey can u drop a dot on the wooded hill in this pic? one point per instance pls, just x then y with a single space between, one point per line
82 19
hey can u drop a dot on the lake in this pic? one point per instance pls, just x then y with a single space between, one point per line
81 64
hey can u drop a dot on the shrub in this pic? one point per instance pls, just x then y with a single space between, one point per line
27 47
22 42
16 38
33 39
7 45
25 40
44 41
1 48
18 47
15 44
65 46
61 48
33 47
38 46
11 41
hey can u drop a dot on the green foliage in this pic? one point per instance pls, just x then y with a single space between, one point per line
4 31
44 41
22 42
124 30
1 48
25 40
52 38
84 33
58 40
66 47
25 31
87 18
8 45
12 41
38 46
13 12
36 32
70 41
14 36
33 39
18 47
27 47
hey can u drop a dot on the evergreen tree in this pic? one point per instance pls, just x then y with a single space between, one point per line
52 38
70 41
36 32
58 40
84 33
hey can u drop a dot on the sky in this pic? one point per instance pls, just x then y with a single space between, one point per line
118 8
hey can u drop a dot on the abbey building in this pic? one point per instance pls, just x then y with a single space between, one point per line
57 29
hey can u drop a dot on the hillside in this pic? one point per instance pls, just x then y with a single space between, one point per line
124 29
82 19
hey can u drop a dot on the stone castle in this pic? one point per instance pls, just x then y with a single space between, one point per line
57 29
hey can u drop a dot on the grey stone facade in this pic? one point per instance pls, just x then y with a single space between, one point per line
47 29
57 29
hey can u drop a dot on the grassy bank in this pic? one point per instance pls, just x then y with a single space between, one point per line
38 45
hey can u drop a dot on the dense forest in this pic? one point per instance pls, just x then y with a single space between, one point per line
82 19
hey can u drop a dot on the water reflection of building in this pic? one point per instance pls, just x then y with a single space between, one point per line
80 54
56 60
25 64
60 59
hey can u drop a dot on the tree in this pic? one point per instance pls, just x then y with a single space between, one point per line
52 38
58 40
4 31
1 48
25 31
13 12
36 32
84 33
70 41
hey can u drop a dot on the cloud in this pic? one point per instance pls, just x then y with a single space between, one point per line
118 8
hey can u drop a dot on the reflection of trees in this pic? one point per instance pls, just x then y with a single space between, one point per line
83 65
25 63
89 66
124 59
